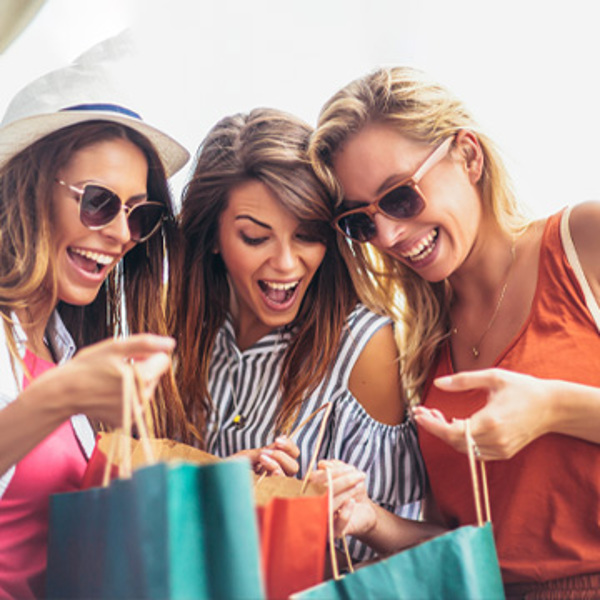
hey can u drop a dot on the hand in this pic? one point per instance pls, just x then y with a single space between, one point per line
278 458
354 512
516 413
93 380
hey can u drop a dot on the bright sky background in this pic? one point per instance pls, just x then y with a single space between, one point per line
529 69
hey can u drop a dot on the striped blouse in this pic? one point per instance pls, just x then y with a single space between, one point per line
244 387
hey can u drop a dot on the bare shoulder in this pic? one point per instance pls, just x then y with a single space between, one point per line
584 225
375 378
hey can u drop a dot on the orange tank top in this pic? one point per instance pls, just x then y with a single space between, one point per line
545 501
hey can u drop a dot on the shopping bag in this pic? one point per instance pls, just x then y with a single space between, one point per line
461 564
163 450
169 531
292 517
293 534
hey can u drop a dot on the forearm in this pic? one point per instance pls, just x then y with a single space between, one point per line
574 410
392 533
30 418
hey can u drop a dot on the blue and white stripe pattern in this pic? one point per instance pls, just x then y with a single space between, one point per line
389 455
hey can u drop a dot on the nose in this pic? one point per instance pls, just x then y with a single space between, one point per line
118 228
285 257
387 231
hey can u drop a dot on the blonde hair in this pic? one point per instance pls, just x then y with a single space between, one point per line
406 100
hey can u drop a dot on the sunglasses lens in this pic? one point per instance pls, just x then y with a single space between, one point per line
144 219
99 206
402 202
358 226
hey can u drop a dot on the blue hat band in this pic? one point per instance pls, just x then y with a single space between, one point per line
105 108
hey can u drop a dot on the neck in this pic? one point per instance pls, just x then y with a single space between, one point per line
249 331
484 270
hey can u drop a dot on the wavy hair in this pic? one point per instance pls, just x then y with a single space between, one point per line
26 257
268 146
421 109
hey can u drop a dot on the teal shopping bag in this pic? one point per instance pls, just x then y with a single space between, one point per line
172 531
459 565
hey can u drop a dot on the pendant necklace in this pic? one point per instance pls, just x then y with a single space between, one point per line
475 348
240 419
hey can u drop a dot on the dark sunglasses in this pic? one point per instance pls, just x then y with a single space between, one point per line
403 201
99 206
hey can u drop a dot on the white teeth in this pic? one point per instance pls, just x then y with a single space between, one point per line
423 245
103 259
281 286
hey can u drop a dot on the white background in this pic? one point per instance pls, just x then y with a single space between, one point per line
528 69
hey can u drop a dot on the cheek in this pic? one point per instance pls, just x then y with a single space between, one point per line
315 257
240 261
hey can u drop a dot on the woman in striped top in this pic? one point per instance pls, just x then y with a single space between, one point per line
269 325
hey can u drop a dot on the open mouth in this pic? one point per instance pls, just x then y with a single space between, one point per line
423 248
91 262
279 293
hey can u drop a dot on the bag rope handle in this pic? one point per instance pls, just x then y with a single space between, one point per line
332 555
477 493
135 405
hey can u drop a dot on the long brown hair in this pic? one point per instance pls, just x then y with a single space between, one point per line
267 146
26 184
407 101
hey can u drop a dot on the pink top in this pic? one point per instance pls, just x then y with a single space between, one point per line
55 465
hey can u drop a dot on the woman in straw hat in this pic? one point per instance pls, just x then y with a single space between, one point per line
83 190
269 324
501 322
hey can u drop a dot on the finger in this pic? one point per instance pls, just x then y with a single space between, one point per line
287 445
342 517
151 368
347 482
468 380
433 412
272 467
451 433
335 465
140 346
342 496
285 461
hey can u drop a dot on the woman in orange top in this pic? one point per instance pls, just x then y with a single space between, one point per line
501 324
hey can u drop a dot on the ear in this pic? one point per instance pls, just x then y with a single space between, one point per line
471 153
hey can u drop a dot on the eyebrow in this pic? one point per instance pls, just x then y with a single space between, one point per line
250 218
388 182
134 198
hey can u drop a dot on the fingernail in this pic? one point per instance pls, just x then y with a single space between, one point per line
268 459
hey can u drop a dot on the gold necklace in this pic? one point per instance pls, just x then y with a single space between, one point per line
475 347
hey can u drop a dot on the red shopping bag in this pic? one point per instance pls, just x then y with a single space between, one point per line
293 534
293 518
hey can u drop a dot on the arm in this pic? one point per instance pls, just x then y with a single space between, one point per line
356 514
375 378
90 384
520 408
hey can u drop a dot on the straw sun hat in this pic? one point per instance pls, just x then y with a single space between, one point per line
86 90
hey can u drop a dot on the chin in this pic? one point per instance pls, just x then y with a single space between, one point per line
78 298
